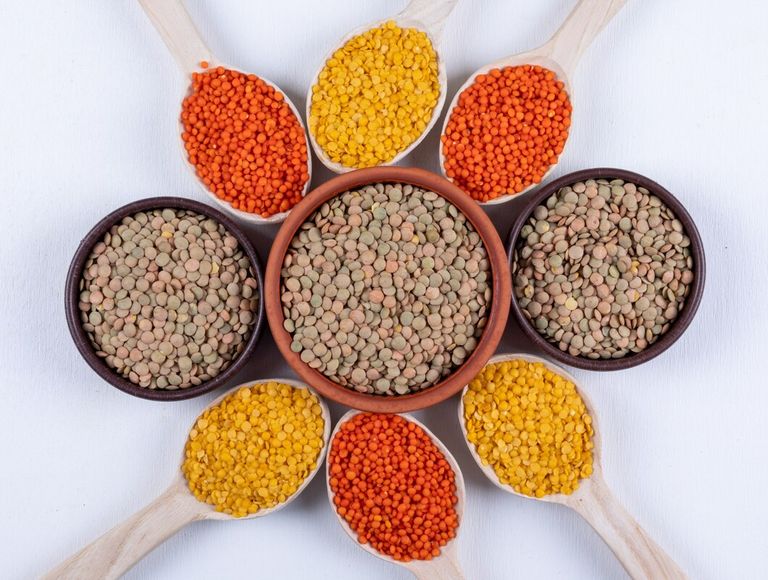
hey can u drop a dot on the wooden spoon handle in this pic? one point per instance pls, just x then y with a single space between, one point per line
176 28
641 557
444 567
433 14
114 553
578 31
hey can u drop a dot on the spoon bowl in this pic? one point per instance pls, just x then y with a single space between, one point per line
489 471
183 40
560 54
443 567
592 499
427 16
114 553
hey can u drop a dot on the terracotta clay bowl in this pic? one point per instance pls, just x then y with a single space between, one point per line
72 292
685 316
500 283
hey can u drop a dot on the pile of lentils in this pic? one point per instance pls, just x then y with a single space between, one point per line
602 269
393 486
531 426
245 142
168 298
386 289
375 95
254 450
506 130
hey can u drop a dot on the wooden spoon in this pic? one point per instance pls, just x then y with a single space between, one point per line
641 557
446 565
114 553
177 30
559 54
428 16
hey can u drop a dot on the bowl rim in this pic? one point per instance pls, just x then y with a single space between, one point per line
497 316
681 323
72 292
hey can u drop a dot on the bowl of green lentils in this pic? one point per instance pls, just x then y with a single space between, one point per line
164 298
387 289
608 269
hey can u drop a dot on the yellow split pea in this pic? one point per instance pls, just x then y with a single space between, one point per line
255 448
375 96
531 426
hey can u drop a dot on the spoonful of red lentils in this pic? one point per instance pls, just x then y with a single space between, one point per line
508 124
397 491
242 135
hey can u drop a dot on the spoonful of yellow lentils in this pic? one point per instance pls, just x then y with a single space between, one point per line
381 90
249 454
534 434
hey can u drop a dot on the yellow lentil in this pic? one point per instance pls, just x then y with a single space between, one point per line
531 426
375 96
255 448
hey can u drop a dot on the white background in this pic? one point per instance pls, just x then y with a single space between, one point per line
674 89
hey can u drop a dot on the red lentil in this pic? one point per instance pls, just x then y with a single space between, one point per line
507 129
393 486
245 142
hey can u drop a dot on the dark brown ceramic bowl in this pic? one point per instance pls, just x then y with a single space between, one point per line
685 316
72 294
497 317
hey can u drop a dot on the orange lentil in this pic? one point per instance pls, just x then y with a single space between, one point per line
507 129
245 142
393 486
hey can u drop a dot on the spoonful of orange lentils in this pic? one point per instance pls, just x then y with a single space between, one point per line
241 134
508 124
397 491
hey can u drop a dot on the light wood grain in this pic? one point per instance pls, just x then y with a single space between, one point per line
560 54
641 557
184 42
177 30
114 553
578 32
431 14
430 17
446 566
